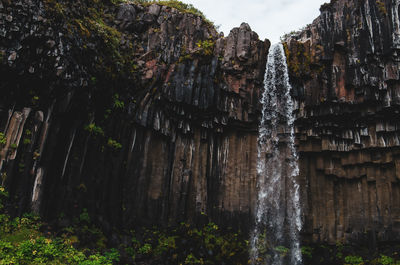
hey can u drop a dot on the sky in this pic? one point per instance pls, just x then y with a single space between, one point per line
271 19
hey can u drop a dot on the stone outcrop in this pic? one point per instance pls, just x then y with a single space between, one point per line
344 68
141 114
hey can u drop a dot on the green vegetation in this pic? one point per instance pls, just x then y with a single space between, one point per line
27 240
186 244
381 7
94 130
118 104
356 260
114 144
22 242
207 47
3 140
348 255
282 250
182 7
385 260
307 251
298 59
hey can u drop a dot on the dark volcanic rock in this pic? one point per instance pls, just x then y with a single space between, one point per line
142 114
344 68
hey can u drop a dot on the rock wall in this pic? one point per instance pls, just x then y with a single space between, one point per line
344 68
144 114
141 114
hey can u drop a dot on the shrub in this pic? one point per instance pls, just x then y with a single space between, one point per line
354 260
207 47
21 242
114 144
94 130
3 139
385 260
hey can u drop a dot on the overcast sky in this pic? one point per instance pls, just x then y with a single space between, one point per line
269 18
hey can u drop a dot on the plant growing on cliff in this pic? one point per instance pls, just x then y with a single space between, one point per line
94 130
3 140
182 7
381 7
186 244
118 104
3 197
206 46
114 144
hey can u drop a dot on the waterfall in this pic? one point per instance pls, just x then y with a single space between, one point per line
275 238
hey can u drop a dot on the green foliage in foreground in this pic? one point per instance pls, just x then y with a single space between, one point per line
21 242
186 244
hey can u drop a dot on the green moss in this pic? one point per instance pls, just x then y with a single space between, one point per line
3 139
307 251
94 130
186 244
207 47
114 144
22 242
182 7
118 104
381 7
298 59
385 260
354 260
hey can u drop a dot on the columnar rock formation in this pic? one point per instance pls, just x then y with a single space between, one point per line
142 114
345 68
146 115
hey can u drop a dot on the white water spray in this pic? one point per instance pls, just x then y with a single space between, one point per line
275 238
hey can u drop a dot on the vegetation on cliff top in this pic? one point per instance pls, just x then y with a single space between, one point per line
182 7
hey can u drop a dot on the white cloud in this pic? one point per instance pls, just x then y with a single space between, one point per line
269 18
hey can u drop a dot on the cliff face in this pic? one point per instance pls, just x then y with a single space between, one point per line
142 114
345 71
146 115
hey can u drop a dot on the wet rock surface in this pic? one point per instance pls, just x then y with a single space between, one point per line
141 114
344 68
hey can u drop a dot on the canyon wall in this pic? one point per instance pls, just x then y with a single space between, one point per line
344 69
142 114
145 114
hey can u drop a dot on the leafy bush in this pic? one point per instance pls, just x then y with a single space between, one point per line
185 244
207 47
385 260
114 144
3 139
307 251
118 104
94 130
356 260
21 242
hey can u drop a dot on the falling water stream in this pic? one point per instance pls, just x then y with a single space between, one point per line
275 238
